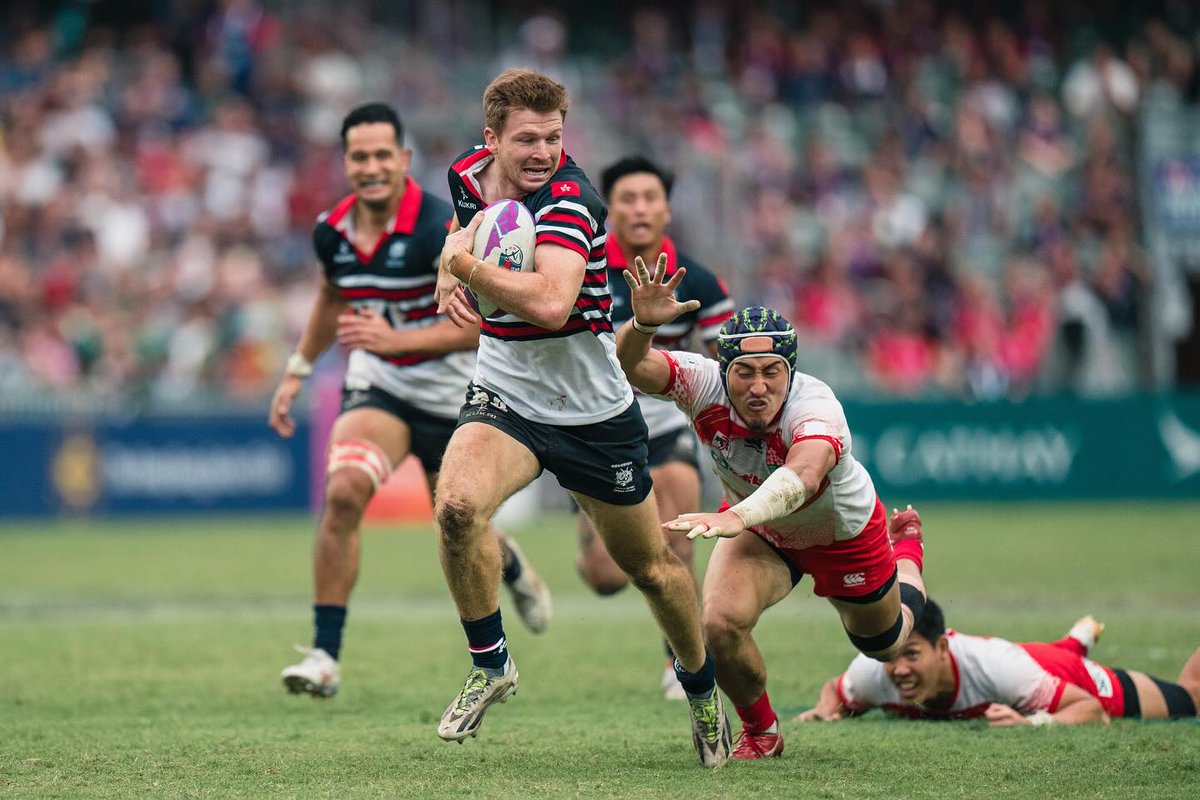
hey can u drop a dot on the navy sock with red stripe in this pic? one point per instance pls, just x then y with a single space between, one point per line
701 683
486 642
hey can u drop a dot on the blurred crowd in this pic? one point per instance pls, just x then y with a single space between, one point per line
943 205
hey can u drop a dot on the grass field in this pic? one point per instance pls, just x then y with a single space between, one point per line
141 659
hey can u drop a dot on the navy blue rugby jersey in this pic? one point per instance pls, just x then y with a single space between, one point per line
700 326
568 376
397 280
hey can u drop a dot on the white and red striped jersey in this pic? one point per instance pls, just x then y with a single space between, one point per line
397 280
743 459
569 376
986 670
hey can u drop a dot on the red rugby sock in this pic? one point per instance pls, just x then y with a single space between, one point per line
912 550
759 716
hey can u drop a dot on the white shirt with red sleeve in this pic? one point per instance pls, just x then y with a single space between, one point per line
986 670
743 459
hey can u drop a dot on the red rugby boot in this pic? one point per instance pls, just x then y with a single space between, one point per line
905 526
751 745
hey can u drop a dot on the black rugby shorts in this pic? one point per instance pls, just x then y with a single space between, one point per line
429 434
606 460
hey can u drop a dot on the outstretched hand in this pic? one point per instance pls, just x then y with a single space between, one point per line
652 298
725 524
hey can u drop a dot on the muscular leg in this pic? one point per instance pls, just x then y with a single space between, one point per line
501 537
744 578
365 443
482 468
869 620
677 488
889 620
347 490
636 543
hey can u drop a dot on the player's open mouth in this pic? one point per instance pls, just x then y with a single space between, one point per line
757 405
907 688
536 172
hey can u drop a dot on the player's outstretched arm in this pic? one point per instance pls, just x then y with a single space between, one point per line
782 493
652 298
318 334
829 706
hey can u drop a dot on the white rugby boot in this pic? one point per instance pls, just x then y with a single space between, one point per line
464 715
711 735
318 674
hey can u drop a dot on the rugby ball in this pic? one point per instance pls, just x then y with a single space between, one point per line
505 238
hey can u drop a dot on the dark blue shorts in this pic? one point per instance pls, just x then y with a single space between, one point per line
429 434
605 460
675 446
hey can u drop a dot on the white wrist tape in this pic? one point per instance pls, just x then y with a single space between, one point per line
648 330
299 366
1042 717
780 494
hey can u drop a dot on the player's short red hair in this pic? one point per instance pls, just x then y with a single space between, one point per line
516 89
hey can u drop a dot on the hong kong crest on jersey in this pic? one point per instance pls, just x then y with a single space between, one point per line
564 189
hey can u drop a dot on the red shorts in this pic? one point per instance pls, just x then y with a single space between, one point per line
850 568
1066 660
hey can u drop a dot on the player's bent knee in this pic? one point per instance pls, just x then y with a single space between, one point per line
884 646
346 494
360 456
455 518
722 630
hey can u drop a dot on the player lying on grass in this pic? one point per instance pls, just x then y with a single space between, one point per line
779 442
944 674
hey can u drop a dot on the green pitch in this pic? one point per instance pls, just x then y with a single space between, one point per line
141 659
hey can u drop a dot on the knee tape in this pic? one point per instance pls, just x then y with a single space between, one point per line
361 455
880 641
